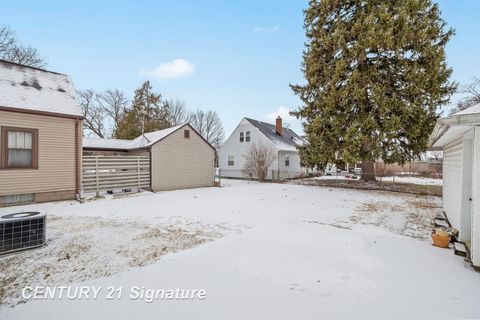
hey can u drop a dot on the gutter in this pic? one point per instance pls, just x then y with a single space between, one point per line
443 124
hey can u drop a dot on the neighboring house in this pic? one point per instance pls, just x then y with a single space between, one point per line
179 156
285 141
459 136
40 135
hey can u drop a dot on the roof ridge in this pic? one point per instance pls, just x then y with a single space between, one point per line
30 67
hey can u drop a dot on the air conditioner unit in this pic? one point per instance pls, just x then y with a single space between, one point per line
22 230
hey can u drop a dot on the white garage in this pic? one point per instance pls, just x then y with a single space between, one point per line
459 136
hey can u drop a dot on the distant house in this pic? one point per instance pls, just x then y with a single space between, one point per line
40 135
459 136
179 156
285 141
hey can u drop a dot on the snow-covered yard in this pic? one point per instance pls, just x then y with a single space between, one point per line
275 251
413 180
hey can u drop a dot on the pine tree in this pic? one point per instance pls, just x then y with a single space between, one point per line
376 76
148 111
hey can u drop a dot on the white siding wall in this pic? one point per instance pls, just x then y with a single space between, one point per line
233 147
294 169
476 199
452 181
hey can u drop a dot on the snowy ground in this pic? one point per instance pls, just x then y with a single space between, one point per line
259 250
413 180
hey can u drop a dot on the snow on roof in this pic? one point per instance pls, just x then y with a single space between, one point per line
23 87
472 110
142 141
150 138
97 143
288 141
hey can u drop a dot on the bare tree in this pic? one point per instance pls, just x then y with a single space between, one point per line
473 96
178 112
258 159
113 102
12 50
209 125
94 114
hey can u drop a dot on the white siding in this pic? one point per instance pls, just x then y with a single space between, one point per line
452 181
233 147
294 169
476 199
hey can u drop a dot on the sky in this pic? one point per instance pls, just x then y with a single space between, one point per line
235 57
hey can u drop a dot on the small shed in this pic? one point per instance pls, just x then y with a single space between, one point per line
459 136
179 156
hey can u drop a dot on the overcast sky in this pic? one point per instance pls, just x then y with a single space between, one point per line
236 57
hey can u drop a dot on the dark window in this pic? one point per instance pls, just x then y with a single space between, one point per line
287 160
247 136
241 136
186 134
231 161
19 148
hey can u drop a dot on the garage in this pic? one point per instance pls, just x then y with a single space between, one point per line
459 136
179 157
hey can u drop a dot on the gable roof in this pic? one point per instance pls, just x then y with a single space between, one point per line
26 88
288 141
141 142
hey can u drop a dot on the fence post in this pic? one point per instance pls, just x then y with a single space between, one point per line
138 174
97 189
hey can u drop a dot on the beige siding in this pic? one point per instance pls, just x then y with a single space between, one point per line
182 163
56 156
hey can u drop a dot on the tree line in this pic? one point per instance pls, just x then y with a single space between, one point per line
110 114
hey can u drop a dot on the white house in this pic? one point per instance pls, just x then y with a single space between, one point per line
459 136
284 140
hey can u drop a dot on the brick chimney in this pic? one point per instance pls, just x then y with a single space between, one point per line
278 126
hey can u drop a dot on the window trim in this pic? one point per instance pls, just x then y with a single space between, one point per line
242 136
4 148
247 136
228 161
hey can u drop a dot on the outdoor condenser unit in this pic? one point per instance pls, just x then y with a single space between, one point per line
22 230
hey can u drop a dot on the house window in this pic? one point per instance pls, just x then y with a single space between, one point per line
241 136
231 161
186 134
247 136
19 148
287 160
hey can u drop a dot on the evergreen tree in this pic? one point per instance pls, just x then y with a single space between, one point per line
376 76
148 111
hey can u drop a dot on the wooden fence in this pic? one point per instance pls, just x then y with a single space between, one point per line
104 173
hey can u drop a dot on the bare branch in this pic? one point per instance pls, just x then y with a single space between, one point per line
113 102
258 158
209 125
178 112
12 50
94 115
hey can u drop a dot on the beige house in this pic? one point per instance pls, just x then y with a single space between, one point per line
179 156
40 135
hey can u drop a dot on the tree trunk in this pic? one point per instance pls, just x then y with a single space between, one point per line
368 170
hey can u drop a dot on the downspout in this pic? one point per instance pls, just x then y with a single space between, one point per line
78 146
